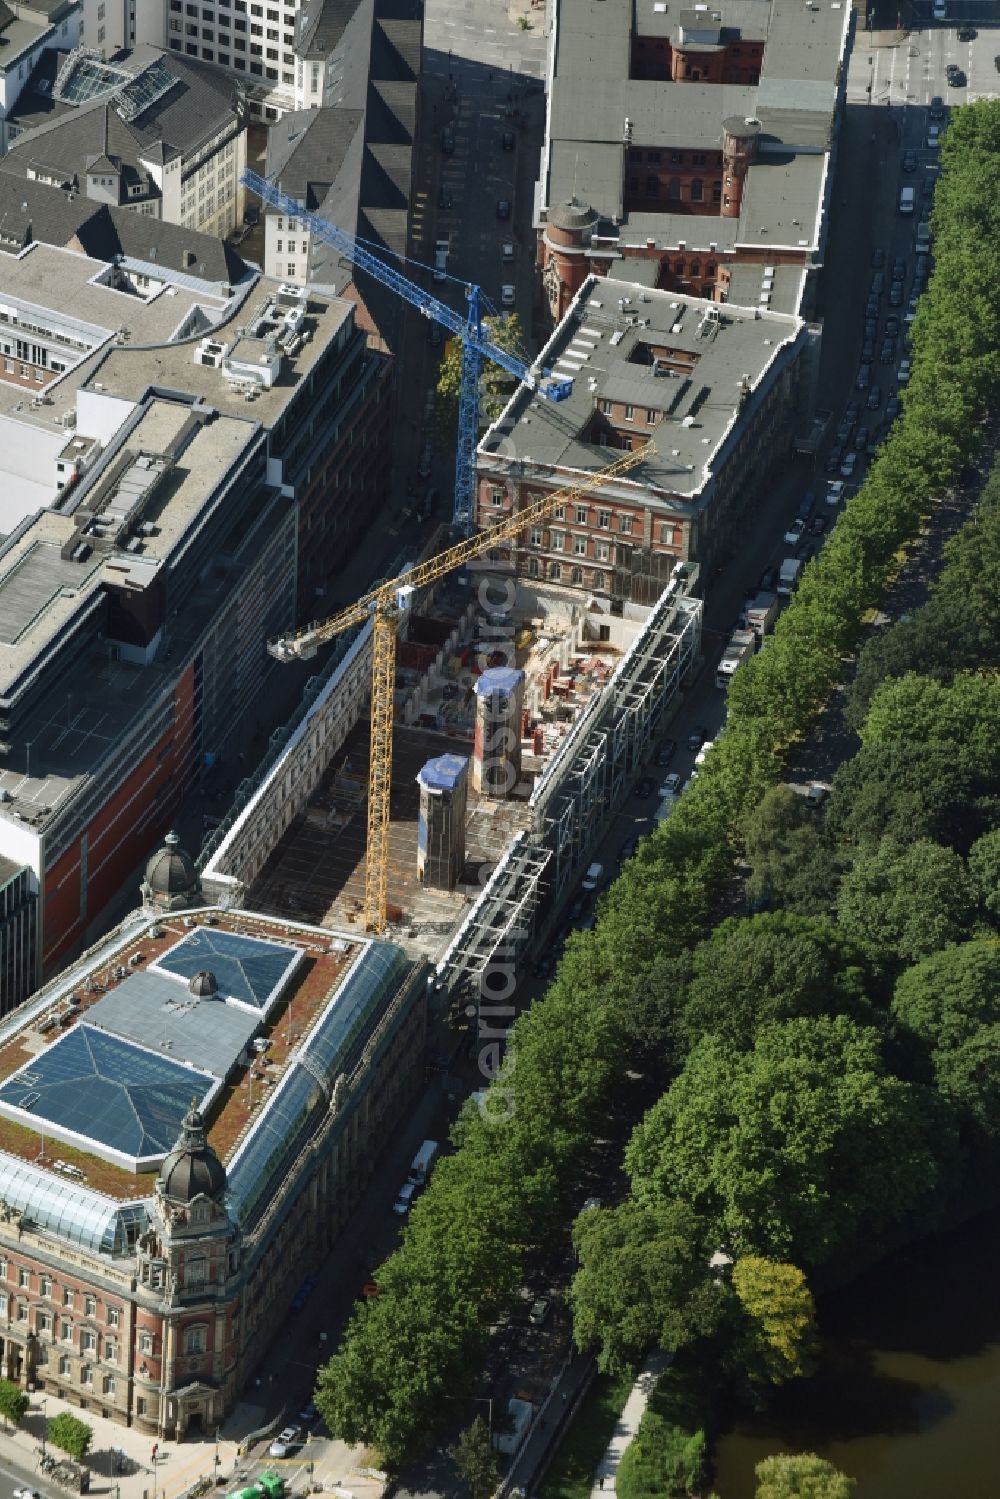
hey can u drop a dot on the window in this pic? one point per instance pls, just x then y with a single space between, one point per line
559 513
625 525
697 190
602 551
3 1303
66 1330
652 187
496 498
44 1321
674 188
140 1406
194 1340
64 1367
576 576
113 1316
292 243
555 571
534 570
291 270
22 1311
579 546
630 413
110 1352
45 1285
23 1278
604 407
87 1376
600 582
88 1341
710 268
666 534
558 541
535 536
3 1268
90 1306
652 417
604 519
145 1342
277 247
582 515
695 268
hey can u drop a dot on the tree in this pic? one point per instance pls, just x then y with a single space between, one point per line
663 1462
795 1148
793 864
780 1338
475 1459
984 867
803 1476
949 997
903 789
754 971
901 904
13 1401
643 1279
495 384
70 1435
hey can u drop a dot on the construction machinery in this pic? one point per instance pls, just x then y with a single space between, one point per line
476 345
384 604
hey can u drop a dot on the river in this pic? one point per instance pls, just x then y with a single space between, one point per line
907 1396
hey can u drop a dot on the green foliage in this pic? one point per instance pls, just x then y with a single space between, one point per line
495 385
70 1435
793 864
668 1454
902 790
643 1279
901 904
791 1150
803 1476
773 967
475 1459
13 1401
780 1343
950 996
571 1473
984 867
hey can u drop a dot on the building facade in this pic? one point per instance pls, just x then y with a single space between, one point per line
28 31
152 1299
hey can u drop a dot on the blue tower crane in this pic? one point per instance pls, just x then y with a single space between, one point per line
475 345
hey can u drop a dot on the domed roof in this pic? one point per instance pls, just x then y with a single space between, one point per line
192 1169
203 984
171 870
573 215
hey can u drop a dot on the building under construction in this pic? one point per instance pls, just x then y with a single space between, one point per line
516 737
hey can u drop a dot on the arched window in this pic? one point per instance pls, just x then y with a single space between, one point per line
710 268
577 575
555 571
599 582
697 190
533 568
695 268
194 1339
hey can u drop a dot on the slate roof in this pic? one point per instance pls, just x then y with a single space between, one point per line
60 137
31 212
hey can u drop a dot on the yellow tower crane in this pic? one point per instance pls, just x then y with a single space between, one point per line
383 604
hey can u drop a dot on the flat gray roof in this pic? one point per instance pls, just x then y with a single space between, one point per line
164 1016
783 201
748 284
600 345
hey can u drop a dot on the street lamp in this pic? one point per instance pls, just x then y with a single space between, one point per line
45 1425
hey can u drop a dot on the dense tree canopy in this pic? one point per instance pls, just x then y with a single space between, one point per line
792 864
780 1342
801 1476
901 904
792 1149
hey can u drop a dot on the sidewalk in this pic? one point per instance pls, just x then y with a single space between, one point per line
628 1422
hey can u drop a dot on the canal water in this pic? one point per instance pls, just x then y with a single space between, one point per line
907 1396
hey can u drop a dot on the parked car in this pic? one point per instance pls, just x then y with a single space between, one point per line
874 400
671 784
666 752
446 198
539 1311
815 793
966 33
861 439
933 137
903 373
864 378
697 738
844 431
868 350
956 77
878 284
285 1442
592 878
818 525
936 108
835 492
507 295
909 161
848 465
794 532
892 326
887 353
892 408
872 307
833 458
507 251
896 294
645 788
503 208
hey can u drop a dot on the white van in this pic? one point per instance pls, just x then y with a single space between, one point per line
420 1166
404 1201
907 198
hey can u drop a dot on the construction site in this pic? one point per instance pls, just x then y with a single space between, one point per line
514 737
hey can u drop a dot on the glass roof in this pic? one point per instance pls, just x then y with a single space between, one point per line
301 1100
72 1211
248 970
101 1089
145 89
86 78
